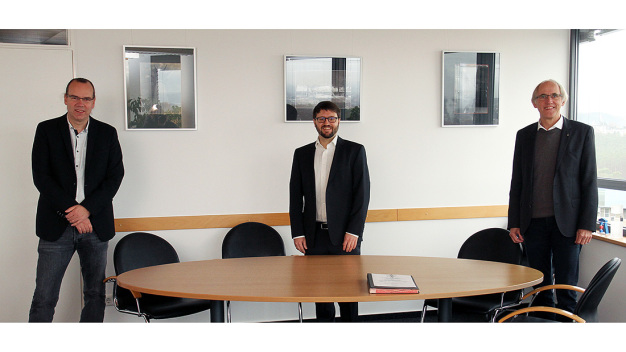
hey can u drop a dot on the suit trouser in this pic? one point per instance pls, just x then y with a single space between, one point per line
552 253
325 312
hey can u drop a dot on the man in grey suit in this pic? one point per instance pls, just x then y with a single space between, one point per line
329 193
553 200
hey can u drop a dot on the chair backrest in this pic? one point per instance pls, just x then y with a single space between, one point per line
587 306
494 245
140 249
252 239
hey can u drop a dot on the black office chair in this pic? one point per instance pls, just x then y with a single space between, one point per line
251 239
140 250
494 245
587 306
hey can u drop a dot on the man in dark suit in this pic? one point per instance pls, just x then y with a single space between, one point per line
329 193
77 169
554 195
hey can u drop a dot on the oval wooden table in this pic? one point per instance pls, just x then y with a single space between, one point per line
325 279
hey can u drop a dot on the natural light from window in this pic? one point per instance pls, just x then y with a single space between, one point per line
601 88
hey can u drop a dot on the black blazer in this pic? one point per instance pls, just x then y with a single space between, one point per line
54 176
575 179
347 192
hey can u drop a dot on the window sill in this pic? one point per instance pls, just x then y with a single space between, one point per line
618 240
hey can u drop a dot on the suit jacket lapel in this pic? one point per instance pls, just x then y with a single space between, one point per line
64 130
92 136
333 167
309 166
529 151
565 140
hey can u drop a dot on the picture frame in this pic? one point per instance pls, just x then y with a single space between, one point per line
160 88
470 88
312 79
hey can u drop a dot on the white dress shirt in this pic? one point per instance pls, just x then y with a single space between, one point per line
558 124
322 163
79 147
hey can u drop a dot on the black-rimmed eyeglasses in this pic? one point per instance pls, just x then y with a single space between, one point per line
321 119
85 99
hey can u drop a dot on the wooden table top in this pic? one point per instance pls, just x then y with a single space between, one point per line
325 278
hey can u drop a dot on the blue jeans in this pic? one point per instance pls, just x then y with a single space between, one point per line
54 257
551 252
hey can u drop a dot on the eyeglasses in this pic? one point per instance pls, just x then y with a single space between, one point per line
331 119
554 96
75 98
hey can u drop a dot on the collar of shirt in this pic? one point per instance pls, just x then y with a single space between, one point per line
72 129
333 142
558 124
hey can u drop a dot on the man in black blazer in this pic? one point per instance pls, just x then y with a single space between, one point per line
77 169
554 195
329 193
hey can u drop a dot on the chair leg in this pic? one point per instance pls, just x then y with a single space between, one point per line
300 311
424 310
228 311
145 317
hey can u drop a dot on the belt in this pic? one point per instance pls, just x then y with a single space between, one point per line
322 225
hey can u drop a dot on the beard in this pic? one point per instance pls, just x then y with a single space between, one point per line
326 133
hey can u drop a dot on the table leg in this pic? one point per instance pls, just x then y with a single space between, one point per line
444 309
217 311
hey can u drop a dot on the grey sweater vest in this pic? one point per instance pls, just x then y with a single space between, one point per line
546 149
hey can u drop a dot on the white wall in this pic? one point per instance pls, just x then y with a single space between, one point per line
238 160
32 82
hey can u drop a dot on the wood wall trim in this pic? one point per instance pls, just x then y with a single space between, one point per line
282 219
490 211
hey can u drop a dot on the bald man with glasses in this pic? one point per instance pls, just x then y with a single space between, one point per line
77 169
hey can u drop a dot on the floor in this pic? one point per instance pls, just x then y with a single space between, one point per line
415 317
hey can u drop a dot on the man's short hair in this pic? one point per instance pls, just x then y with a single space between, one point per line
81 80
561 89
326 105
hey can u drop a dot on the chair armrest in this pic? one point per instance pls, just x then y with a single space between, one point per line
114 279
551 287
543 309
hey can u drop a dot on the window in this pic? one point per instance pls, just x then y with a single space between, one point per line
34 36
598 102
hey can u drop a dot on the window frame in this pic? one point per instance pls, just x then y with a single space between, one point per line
575 35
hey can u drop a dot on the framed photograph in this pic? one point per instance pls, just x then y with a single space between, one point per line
160 88
470 84
311 79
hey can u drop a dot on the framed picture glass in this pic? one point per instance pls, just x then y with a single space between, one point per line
312 79
160 88
470 85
